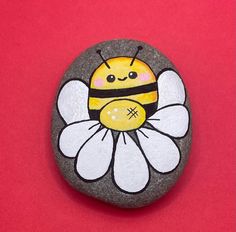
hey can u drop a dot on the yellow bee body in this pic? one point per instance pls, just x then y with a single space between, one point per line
118 88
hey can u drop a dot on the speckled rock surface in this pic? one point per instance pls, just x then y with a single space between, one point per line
158 179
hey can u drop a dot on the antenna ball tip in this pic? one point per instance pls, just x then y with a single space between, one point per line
140 47
99 51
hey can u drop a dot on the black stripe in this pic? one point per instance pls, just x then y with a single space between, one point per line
104 93
149 108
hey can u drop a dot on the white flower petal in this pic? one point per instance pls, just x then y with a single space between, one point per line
160 150
170 88
74 136
131 172
72 101
172 120
94 158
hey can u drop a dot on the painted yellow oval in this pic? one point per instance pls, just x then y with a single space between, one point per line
123 115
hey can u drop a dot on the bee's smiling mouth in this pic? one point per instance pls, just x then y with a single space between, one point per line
122 79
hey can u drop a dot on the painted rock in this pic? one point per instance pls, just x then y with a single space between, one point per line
121 123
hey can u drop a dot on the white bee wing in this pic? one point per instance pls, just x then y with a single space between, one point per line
94 157
73 101
75 135
130 172
170 88
172 120
160 150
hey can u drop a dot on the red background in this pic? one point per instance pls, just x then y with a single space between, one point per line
39 39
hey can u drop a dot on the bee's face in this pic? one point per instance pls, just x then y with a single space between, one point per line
122 74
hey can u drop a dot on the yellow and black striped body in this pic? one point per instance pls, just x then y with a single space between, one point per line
146 95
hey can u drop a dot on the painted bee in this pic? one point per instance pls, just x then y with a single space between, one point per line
123 92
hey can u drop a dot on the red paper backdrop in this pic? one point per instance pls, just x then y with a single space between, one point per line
39 39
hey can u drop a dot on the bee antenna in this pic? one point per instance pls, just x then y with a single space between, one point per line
139 48
99 52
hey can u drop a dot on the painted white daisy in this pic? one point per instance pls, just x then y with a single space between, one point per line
97 149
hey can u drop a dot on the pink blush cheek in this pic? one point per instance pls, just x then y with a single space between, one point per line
144 77
99 82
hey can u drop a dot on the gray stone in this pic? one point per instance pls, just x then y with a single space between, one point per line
104 188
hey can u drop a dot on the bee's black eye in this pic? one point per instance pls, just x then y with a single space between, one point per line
133 75
111 78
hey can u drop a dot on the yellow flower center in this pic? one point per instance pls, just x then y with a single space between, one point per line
123 115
